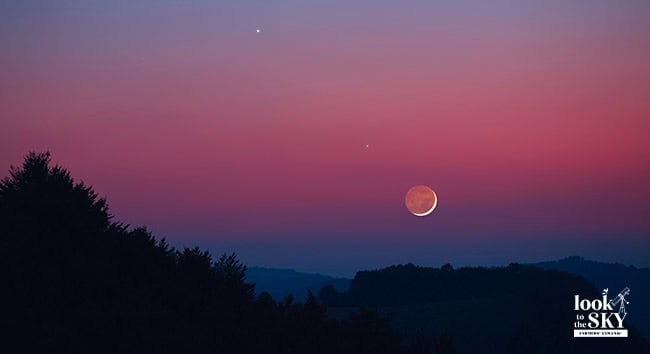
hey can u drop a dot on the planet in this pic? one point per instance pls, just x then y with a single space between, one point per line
421 200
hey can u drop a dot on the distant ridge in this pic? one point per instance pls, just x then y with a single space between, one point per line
282 282
403 291
614 276
513 309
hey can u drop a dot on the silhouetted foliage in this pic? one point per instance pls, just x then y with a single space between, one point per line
329 294
615 277
75 281
514 309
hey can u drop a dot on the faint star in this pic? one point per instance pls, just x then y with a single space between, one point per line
258 30
367 146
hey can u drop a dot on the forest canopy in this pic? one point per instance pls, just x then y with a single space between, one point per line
77 280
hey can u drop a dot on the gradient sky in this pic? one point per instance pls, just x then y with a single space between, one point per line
530 119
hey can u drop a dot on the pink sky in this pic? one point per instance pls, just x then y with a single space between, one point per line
530 119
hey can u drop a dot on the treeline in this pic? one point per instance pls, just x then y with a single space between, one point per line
74 280
415 284
513 309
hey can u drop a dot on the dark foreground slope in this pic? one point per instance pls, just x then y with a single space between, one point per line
516 309
74 281
615 277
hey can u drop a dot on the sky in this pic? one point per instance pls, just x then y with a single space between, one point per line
294 146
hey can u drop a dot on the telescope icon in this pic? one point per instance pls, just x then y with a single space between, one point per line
620 300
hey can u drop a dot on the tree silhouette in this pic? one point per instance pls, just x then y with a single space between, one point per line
513 309
75 281
39 195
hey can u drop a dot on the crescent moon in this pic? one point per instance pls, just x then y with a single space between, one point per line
421 200
435 202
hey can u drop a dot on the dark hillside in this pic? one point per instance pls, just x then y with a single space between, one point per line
76 281
615 277
516 309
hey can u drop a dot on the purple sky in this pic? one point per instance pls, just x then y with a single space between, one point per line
530 120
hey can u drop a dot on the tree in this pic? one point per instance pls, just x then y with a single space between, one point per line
39 195
74 281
